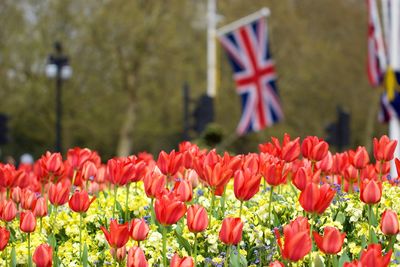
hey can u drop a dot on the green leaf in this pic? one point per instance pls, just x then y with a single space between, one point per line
13 257
277 222
51 240
318 261
340 217
183 242
374 237
85 256
344 258
236 259
120 211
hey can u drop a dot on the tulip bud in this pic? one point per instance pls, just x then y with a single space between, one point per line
59 193
136 258
79 202
360 158
177 261
168 209
139 229
16 194
231 231
43 256
27 222
246 184
40 207
384 148
371 191
389 223
183 190
9 211
120 255
197 220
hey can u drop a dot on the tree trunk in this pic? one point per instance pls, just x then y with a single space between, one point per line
124 148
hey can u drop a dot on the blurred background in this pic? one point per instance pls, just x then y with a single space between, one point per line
131 61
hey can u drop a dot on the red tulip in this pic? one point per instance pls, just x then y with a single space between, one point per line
372 257
384 148
371 191
314 149
197 220
27 222
389 223
16 193
28 199
120 171
274 173
177 261
289 151
354 263
246 184
40 207
76 157
79 202
53 164
8 211
169 164
7 175
331 242
183 190
136 258
119 254
303 176
118 235
297 243
4 237
326 164
59 193
231 231
89 171
43 256
315 199
276 264
139 229
154 183
169 210
360 158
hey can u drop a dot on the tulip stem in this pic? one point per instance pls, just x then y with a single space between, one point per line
240 210
41 224
195 249
392 239
8 193
73 180
164 235
369 223
80 235
228 253
311 237
126 201
115 200
212 206
153 216
269 206
29 250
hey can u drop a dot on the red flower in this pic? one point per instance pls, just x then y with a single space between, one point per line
139 229
289 151
331 242
389 223
303 176
371 191
314 149
8 211
169 164
154 183
59 193
297 239
136 258
274 173
246 184
40 207
53 164
354 263
372 257
7 175
231 231
183 190
27 222
28 199
276 264
360 158
89 171
118 235
43 256
177 261
119 254
169 209
315 199
120 171
326 164
79 202
4 237
384 148
16 194
197 220
76 157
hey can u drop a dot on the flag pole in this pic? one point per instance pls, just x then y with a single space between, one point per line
394 125
211 48
263 12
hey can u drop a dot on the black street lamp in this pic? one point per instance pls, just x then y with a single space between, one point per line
58 68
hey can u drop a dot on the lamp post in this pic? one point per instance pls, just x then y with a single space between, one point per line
58 68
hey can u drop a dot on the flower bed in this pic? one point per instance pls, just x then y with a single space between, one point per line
289 205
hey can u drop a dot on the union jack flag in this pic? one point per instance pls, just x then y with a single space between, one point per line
255 76
376 64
